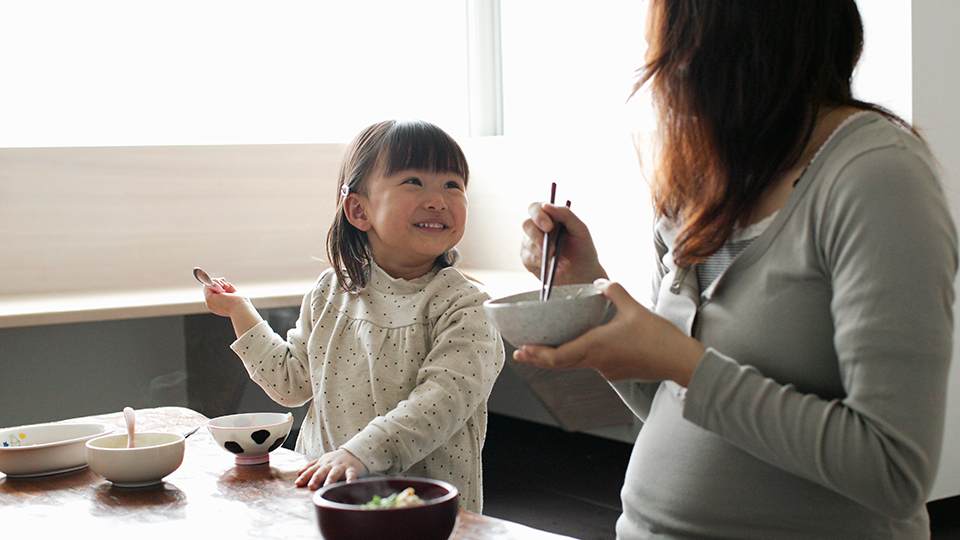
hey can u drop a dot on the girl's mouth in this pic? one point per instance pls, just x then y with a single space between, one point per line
431 225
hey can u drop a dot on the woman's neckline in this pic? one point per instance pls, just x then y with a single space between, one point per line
828 125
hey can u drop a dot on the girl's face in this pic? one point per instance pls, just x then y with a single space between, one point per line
411 218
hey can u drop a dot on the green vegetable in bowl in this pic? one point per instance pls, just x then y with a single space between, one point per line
406 497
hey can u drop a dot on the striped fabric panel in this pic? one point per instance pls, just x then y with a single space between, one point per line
710 269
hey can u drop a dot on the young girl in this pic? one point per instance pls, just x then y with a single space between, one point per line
392 344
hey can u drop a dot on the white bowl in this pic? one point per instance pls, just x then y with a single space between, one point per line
153 456
572 310
251 436
44 449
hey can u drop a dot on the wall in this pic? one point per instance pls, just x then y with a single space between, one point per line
936 111
53 372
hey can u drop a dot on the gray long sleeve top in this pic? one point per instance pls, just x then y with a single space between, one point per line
399 374
817 411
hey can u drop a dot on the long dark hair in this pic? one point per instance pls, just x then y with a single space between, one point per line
736 87
398 145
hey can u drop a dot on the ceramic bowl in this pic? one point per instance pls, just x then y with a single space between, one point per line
251 436
340 514
572 310
44 449
153 456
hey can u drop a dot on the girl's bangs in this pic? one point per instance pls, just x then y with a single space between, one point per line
420 146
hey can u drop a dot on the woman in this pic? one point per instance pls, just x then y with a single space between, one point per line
792 373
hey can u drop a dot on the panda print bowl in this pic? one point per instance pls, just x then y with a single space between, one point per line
251 436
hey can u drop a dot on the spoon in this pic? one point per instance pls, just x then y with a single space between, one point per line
204 278
131 419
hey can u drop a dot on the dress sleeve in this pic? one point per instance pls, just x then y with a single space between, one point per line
887 240
455 378
281 367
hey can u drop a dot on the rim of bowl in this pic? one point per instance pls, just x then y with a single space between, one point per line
176 439
287 419
320 501
103 432
509 300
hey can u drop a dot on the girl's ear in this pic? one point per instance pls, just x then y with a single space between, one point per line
353 210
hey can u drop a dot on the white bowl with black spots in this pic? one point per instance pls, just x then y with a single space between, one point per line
250 437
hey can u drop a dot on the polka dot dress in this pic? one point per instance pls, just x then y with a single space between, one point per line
399 374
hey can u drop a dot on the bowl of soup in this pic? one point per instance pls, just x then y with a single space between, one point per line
154 456
387 508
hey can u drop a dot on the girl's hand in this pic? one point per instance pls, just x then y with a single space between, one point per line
637 344
225 302
330 468
230 304
578 262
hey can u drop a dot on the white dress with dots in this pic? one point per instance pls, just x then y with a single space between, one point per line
399 374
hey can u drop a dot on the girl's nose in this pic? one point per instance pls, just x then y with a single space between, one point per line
436 201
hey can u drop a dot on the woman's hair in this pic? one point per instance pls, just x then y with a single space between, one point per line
398 146
736 87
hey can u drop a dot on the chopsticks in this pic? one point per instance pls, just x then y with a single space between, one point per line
548 264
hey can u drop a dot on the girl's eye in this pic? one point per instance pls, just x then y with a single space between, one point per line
454 185
415 181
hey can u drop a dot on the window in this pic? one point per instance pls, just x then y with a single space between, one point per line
184 72
195 72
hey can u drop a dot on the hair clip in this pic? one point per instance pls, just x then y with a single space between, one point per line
344 190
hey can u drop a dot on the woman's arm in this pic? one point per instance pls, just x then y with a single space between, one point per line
888 243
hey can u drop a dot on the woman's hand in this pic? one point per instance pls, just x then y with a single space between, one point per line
330 468
578 262
637 344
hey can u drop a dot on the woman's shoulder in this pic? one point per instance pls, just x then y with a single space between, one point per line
873 152
868 134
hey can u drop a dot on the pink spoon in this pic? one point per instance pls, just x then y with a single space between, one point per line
131 419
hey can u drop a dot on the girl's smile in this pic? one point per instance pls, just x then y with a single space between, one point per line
411 217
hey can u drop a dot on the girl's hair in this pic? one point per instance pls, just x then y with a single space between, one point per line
736 87
398 146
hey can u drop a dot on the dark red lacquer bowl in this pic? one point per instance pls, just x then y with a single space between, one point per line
340 516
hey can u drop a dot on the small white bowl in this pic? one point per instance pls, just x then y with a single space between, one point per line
524 319
251 436
154 456
43 449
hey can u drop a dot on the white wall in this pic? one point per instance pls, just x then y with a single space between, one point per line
936 112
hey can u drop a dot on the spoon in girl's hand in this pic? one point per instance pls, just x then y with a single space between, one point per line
202 277
131 419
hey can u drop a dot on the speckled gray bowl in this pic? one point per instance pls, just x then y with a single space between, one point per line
572 310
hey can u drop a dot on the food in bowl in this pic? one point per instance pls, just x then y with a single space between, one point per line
407 497
250 437
571 311
154 456
44 449
341 512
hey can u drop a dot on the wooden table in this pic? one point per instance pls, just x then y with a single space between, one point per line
207 497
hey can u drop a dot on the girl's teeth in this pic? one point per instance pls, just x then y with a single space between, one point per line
430 225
